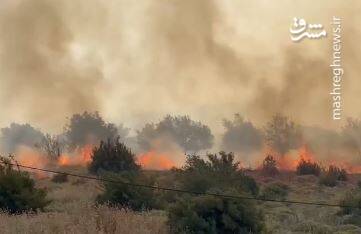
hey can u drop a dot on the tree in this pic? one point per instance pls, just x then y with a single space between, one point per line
188 134
19 134
282 134
88 128
18 192
241 135
52 145
112 156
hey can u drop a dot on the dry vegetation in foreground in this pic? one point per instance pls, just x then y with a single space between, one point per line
73 209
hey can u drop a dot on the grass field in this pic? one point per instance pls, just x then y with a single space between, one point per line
73 211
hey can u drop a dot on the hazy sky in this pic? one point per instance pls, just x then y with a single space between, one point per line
136 61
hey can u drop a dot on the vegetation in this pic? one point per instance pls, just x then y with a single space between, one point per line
60 178
219 171
241 136
17 191
351 207
269 166
127 196
282 134
112 156
305 167
208 214
332 176
19 134
88 128
188 134
275 191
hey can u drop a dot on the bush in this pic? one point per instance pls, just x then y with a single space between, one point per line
127 196
208 214
269 167
112 156
275 191
60 178
17 191
219 171
333 175
308 168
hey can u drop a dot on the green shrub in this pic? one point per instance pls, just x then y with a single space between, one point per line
275 191
209 214
123 195
332 176
308 168
219 171
269 167
17 191
60 178
112 156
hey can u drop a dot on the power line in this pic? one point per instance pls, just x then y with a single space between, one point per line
179 190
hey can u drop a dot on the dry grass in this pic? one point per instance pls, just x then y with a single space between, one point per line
73 210
85 219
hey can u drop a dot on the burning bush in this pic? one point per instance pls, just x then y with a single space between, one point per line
332 175
220 171
277 191
306 167
207 214
17 191
269 167
123 195
112 156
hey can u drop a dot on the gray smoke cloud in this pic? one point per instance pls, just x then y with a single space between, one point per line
135 62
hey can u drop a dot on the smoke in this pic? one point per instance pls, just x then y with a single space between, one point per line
138 61
19 135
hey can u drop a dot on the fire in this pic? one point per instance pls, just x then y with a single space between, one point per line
81 156
32 158
156 161
290 160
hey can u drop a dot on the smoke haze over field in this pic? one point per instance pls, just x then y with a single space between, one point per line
136 61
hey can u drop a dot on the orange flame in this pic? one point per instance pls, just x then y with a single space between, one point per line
81 156
155 161
32 158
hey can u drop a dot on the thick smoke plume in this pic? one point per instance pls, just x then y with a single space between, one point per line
136 61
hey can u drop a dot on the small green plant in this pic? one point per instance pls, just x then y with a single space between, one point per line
112 156
269 167
305 167
18 192
60 178
208 214
275 191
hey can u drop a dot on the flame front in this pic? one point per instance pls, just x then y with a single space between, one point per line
155 161
81 156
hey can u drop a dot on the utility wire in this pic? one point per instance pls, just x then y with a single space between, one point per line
180 190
